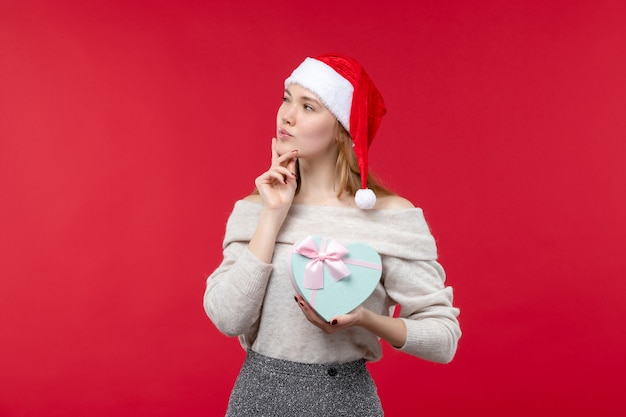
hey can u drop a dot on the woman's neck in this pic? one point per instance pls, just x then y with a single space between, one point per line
320 188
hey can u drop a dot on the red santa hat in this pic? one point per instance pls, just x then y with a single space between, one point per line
347 91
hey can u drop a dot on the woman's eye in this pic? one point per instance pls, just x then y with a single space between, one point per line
309 108
285 99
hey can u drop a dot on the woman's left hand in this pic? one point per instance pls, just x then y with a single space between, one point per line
338 323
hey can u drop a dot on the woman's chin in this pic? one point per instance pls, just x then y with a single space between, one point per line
283 148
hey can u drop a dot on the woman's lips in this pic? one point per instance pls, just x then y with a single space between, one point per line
284 134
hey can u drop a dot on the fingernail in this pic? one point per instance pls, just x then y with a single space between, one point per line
334 322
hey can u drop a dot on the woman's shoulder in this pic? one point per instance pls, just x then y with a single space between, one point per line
392 202
254 197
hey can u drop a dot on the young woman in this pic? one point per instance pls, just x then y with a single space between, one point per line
297 363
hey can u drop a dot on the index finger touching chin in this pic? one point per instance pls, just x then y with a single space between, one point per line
274 152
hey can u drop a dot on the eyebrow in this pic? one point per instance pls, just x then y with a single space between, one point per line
306 98
314 100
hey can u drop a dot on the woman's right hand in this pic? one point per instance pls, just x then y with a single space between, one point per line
277 185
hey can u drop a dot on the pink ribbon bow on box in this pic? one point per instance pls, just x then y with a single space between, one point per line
330 253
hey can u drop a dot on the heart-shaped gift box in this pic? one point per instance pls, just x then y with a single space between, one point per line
334 279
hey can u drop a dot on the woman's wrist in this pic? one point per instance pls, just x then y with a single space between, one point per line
263 240
393 330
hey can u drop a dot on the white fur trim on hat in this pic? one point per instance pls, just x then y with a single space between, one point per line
334 91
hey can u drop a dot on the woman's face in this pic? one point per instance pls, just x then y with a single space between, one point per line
305 124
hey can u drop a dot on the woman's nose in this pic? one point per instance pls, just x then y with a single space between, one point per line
289 117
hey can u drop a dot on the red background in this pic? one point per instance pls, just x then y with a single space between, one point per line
128 130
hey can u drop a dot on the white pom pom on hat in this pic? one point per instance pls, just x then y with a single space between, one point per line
365 198
348 92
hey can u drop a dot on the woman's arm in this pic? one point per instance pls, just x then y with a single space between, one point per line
277 188
427 308
236 289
